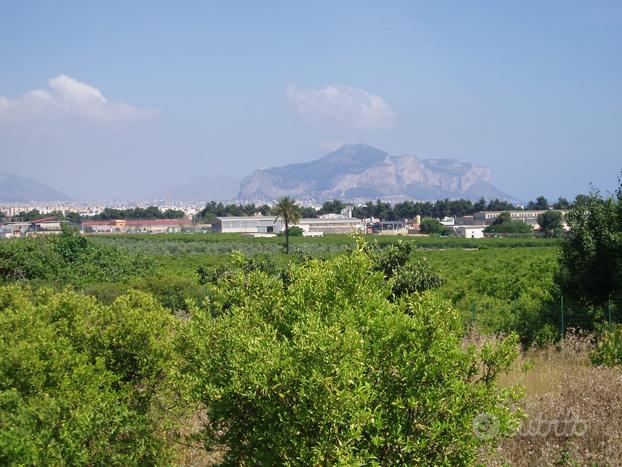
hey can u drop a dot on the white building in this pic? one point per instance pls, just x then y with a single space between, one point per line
271 225
470 231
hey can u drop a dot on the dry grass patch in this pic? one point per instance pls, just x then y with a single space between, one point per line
574 410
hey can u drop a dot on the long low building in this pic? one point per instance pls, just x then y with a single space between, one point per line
528 216
41 226
136 226
272 225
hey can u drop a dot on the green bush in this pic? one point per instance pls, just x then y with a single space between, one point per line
294 231
406 278
82 383
608 349
329 370
68 259
172 291
433 226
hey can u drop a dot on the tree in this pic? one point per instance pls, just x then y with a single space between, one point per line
332 207
480 205
562 203
287 209
590 266
309 212
432 226
541 203
550 223
503 223
332 371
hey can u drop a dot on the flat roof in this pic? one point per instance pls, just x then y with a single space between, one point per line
305 220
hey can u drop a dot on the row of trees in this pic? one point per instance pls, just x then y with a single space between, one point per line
214 209
387 211
148 213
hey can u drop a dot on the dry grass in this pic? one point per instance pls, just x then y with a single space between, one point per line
574 410
190 451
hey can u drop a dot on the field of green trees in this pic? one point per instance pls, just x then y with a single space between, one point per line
354 350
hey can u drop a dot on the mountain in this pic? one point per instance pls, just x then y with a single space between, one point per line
14 189
212 187
362 172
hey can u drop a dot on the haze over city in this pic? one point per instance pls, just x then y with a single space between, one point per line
115 100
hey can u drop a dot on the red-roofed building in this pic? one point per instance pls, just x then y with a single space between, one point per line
136 226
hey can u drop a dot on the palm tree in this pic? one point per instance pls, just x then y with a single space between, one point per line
287 209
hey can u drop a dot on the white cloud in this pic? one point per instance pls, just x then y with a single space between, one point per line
347 106
67 97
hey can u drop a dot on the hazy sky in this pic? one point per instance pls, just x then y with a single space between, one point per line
119 98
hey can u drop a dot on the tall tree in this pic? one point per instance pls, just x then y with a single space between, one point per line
287 209
550 223
591 258
562 203
539 204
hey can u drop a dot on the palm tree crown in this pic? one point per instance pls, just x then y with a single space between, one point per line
287 209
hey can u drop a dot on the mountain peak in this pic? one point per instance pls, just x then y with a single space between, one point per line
359 171
14 189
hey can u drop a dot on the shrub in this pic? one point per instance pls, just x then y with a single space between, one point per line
67 259
294 231
608 349
433 226
81 383
329 370
416 277
406 278
172 291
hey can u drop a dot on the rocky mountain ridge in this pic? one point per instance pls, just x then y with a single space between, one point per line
362 172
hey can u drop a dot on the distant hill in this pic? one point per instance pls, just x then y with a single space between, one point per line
211 187
14 189
362 172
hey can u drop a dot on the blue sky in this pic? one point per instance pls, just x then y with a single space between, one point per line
129 96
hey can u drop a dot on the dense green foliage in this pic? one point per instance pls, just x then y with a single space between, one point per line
438 209
540 203
331 370
67 259
608 350
550 223
294 231
591 259
407 277
150 212
212 210
503 290
505 225
432 226
80 382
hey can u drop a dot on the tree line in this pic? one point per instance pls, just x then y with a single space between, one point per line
386 211
148 213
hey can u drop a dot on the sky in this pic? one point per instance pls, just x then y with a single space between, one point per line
114 99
